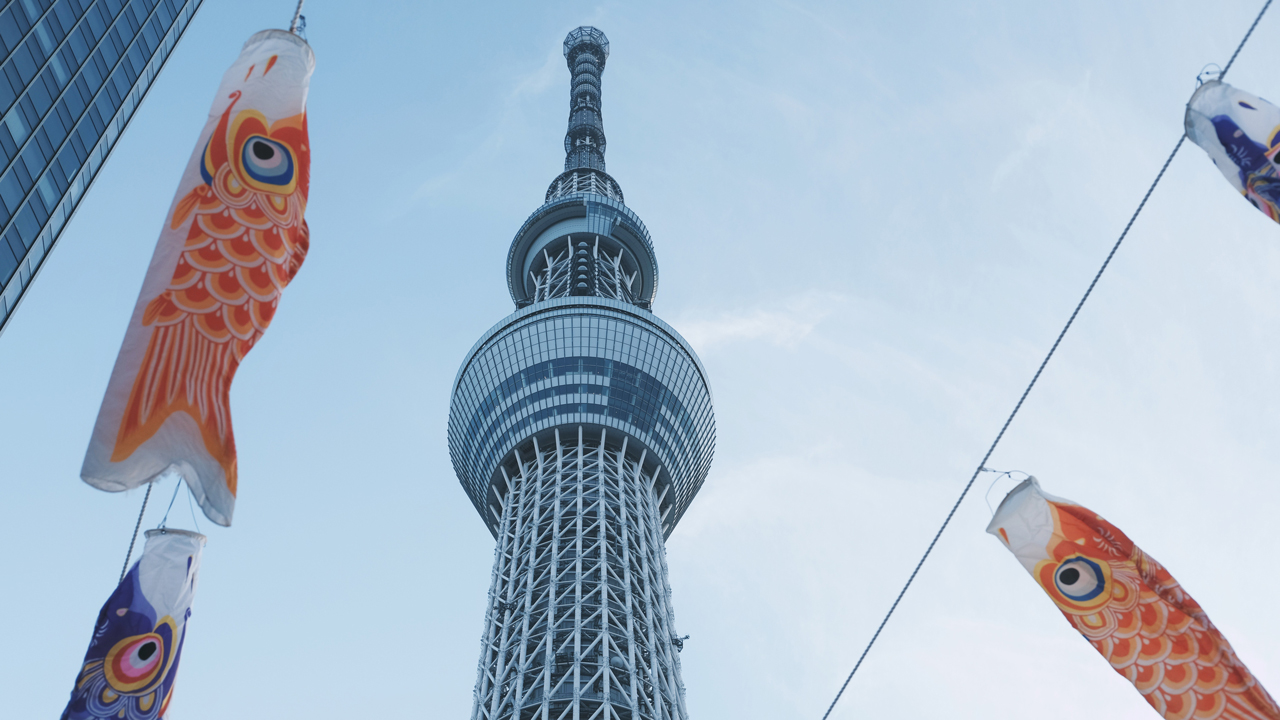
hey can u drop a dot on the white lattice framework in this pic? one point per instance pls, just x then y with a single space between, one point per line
604 275
580 624
584 180
552 279
611 280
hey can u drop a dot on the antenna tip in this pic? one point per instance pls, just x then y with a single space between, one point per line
584 38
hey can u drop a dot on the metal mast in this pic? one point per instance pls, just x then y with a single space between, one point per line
586 50
581 427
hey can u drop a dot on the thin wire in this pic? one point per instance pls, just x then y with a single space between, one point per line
1244 40
1005 427
176 487
134 539
192 508
982 465
992 486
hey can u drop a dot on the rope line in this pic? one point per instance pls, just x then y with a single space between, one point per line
134 539
1005 427
1245 39
297 15
191 507
176 487
1034 378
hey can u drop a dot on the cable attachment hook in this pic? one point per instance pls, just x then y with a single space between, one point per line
1001 474
1207 74
299 24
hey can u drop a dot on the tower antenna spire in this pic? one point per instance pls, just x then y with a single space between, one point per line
585 50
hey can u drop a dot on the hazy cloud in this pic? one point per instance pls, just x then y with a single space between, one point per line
783 323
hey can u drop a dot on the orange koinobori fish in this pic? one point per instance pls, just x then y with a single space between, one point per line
233 239
1130 609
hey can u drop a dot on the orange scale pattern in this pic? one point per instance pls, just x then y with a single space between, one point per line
212 326
1151 631
1178 678
281 274
270 245
257 282
163 313
1147 679
262 313
226 287
240 322
185 275
218 225
207 259
195 299
240 251
252 217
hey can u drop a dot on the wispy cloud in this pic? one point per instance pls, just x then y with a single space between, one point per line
524 90
783 323
1052 108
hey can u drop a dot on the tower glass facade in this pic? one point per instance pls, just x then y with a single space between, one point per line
74 73
581 427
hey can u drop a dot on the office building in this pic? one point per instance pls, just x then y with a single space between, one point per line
74 73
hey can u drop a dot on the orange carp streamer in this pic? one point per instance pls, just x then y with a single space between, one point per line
242 249
1130 609
234 239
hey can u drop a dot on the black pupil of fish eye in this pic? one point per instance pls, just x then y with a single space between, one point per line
146 651
263 151
1069 576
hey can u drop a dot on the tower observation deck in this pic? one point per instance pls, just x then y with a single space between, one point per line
581 427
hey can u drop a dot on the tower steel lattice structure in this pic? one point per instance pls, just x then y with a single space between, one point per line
581 427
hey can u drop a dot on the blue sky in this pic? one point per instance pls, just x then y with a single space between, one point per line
871 219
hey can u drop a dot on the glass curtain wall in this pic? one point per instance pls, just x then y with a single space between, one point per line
74 73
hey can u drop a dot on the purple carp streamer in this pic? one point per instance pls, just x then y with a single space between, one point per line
1241 133
132 662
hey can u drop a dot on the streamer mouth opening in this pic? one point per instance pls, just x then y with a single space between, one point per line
175 531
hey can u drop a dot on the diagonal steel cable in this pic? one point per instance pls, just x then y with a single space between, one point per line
1036 377
129 555
1245 39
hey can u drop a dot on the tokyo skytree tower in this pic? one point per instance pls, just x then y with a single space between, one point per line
581 428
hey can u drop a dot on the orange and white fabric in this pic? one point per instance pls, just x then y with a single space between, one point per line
233 239
1130 609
